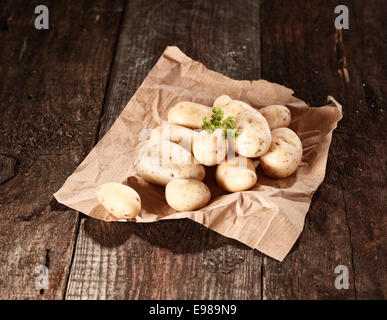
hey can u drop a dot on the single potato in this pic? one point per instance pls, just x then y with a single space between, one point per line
120 200
176 134
277 116
221 101
162 161
236 174
187 194
210 148
254 133
284 155
189 114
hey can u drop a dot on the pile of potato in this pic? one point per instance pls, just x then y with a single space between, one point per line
175 155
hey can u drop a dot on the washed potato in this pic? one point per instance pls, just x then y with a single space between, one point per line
254 133
176 134
221 101
188 114
120 200
159 162
236 174
284 154
210 148
277 116
187 194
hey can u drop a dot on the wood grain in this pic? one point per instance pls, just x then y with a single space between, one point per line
361 150
170 259
51 96
345 223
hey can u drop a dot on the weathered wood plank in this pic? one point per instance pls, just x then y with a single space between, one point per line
345 223
361 151
170 259
51 95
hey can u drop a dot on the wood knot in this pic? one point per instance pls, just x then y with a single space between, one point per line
222 260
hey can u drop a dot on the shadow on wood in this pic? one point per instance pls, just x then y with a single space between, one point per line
178 236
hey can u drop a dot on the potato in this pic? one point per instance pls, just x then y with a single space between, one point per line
120 200
187 194
221 101
162 161
210 148
189 114
254 138
277 116
176 134
284 155
236 174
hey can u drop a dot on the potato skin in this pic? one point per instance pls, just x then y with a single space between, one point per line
221 101
277 116
189 114
161 162
187 194
120 200
254 138
236 174
284 154
210 148
174 133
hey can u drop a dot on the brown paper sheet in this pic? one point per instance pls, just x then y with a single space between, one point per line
269 217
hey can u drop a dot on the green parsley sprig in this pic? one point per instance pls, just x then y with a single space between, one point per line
217 122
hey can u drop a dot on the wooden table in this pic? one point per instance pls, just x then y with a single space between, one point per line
61 89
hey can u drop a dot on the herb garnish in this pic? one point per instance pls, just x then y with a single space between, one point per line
217 122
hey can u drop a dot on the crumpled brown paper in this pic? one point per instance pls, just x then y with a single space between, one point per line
269 217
